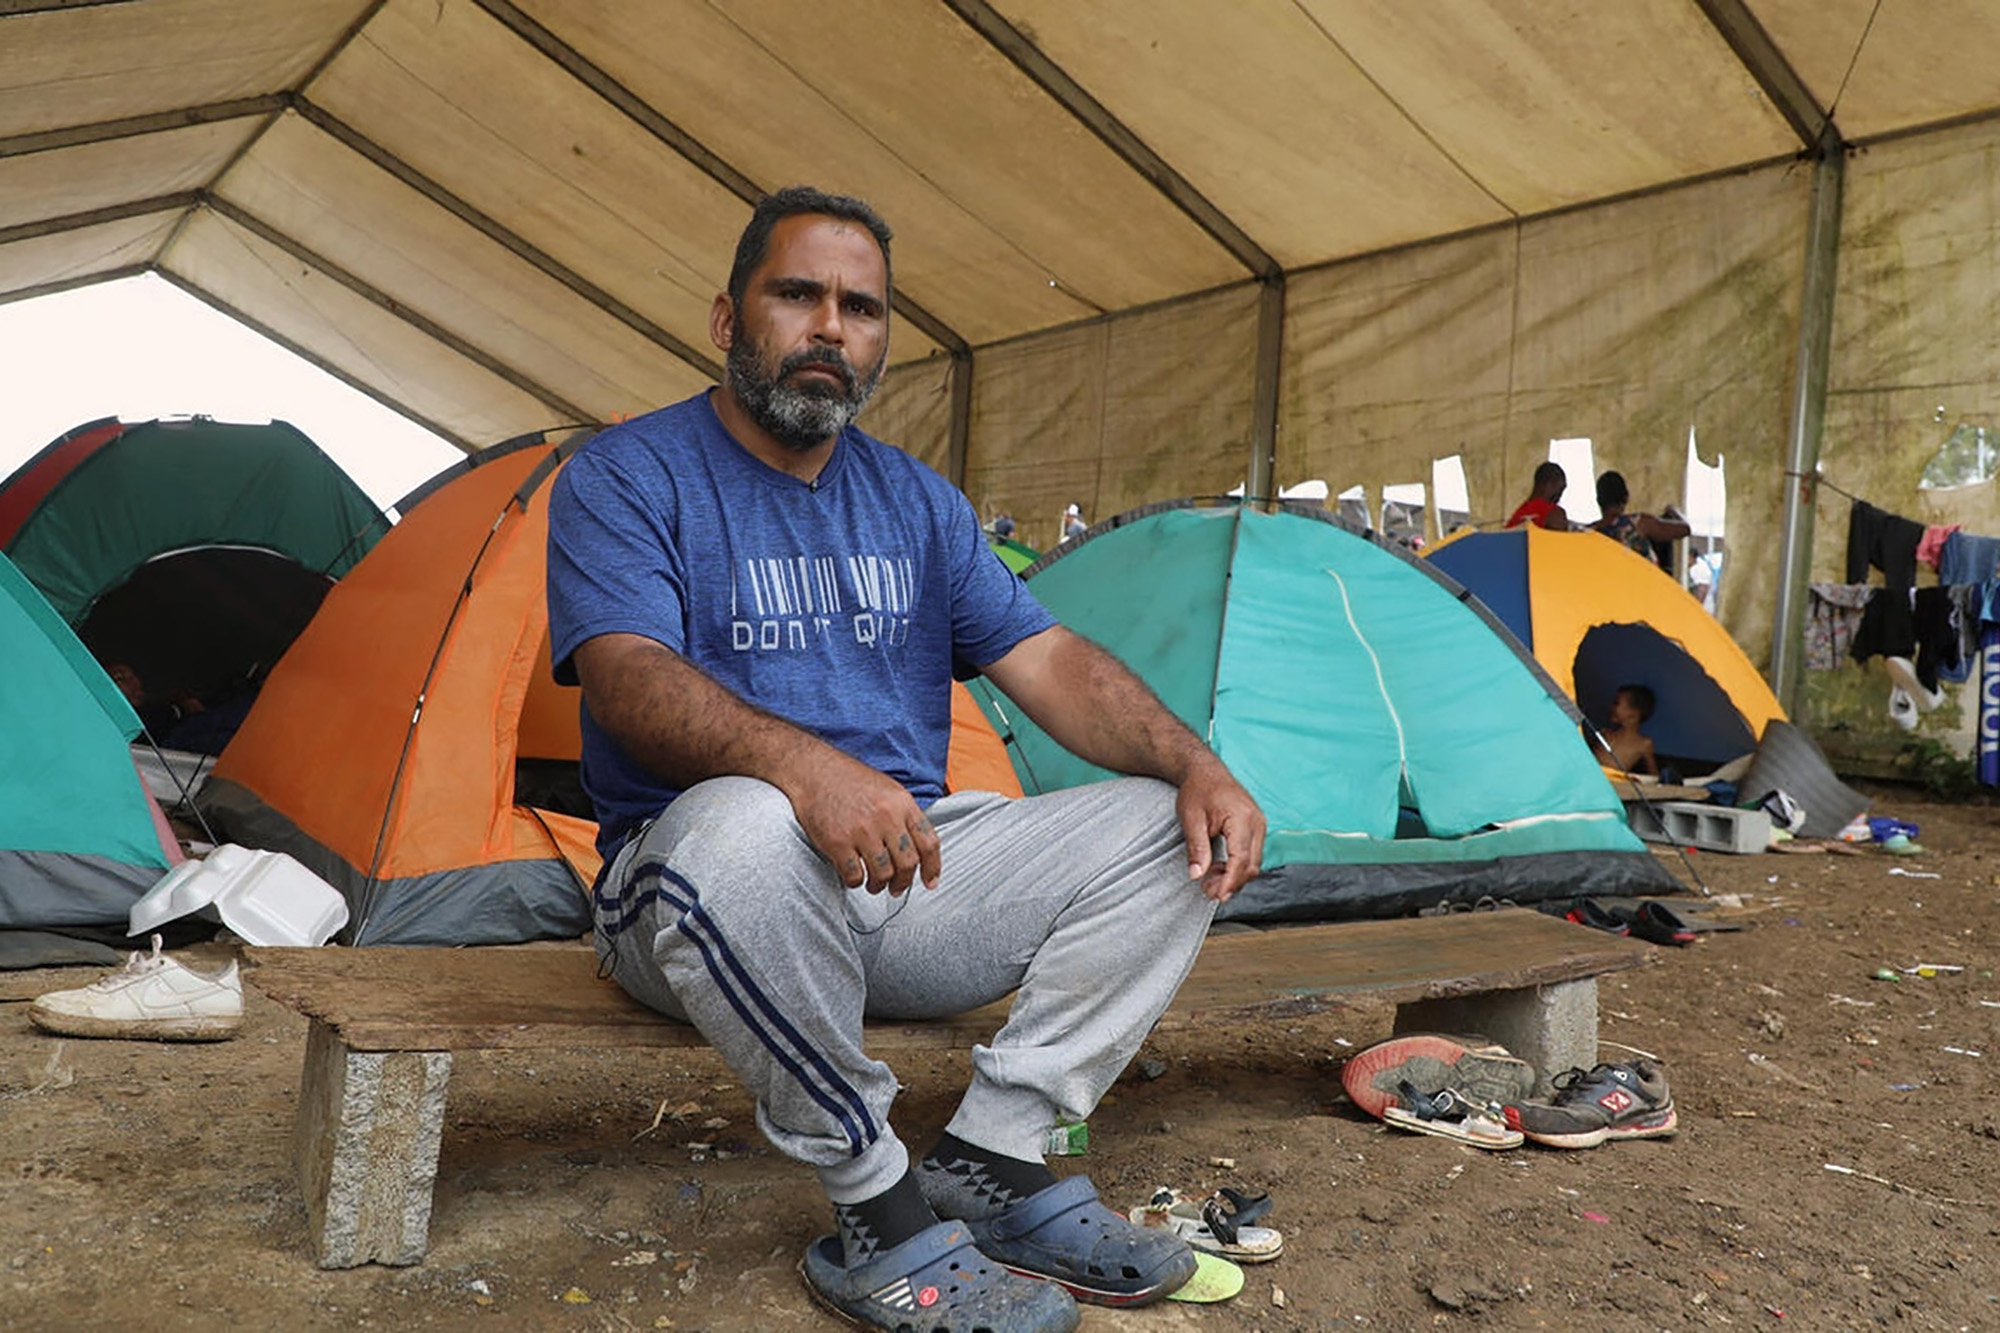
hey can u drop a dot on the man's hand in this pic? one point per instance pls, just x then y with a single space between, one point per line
671 717
1094 706
865 823
1213 805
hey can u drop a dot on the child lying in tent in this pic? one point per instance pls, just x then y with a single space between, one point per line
1629 748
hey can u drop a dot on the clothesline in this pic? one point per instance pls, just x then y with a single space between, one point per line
1819 480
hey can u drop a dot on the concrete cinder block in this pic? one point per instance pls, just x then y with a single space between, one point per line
1711 828
367 1143
1552 1027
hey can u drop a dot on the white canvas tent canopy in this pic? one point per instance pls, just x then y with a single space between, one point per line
1146 247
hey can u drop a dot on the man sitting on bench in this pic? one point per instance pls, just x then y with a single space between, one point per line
764 607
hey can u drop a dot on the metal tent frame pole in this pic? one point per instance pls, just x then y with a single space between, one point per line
1813 123
1808 416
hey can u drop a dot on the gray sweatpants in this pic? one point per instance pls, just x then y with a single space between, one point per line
723 915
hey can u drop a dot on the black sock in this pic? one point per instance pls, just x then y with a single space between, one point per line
883 1222
963 1180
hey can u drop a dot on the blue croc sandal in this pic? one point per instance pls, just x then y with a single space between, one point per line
934 1282
1065 1235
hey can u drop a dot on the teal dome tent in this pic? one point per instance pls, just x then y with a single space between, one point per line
1405 748
80 840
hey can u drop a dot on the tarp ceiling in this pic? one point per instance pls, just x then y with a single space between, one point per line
1146 248
499 215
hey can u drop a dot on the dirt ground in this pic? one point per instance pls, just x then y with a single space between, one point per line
1836 1169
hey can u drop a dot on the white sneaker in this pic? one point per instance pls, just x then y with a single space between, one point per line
1903 676
152 996
1902 709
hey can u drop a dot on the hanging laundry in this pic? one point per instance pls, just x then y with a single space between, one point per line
1986 747
1963 558
1986 605
1937 641
1888 626
1833 614
1989 705
1965 604
1886 541
1932 542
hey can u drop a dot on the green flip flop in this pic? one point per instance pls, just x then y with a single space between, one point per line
1215 1279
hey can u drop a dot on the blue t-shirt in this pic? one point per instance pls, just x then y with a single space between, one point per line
843 605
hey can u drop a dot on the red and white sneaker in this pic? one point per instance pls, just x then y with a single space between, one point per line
1429 1062
1621 1101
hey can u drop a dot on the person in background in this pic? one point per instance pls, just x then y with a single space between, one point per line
1702 570
1629 748
1073 524
1650 536
157 716
1003 526
1543 507
126 677
206 730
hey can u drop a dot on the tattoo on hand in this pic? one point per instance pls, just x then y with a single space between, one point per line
903 843
882 860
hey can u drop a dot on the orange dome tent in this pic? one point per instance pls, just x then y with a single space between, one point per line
412 747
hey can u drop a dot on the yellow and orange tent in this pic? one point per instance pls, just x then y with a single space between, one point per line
1598 616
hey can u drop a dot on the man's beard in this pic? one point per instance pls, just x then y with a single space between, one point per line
799 416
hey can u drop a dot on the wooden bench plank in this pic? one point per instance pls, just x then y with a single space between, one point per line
390 999
385 1021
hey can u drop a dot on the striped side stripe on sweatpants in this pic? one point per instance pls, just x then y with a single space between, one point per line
653 880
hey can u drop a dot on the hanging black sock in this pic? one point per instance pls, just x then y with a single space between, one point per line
965 1181
883 1222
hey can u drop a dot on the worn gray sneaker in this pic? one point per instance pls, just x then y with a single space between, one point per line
1621 1101
1430 1063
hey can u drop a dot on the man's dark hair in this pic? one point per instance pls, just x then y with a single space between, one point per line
1641 697
1611 490
798 201
1549 474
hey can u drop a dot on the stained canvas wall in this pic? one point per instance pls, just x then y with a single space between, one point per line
1114 413
1916 355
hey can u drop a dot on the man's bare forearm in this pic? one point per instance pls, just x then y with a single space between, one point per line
686 728
1661 529
1096 708
679 723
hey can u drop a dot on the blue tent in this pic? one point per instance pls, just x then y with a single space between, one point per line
1404 747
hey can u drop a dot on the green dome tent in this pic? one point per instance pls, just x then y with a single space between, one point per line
80 840
192 550
1015 555
1405 748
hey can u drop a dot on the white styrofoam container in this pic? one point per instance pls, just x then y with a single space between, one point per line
263 897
